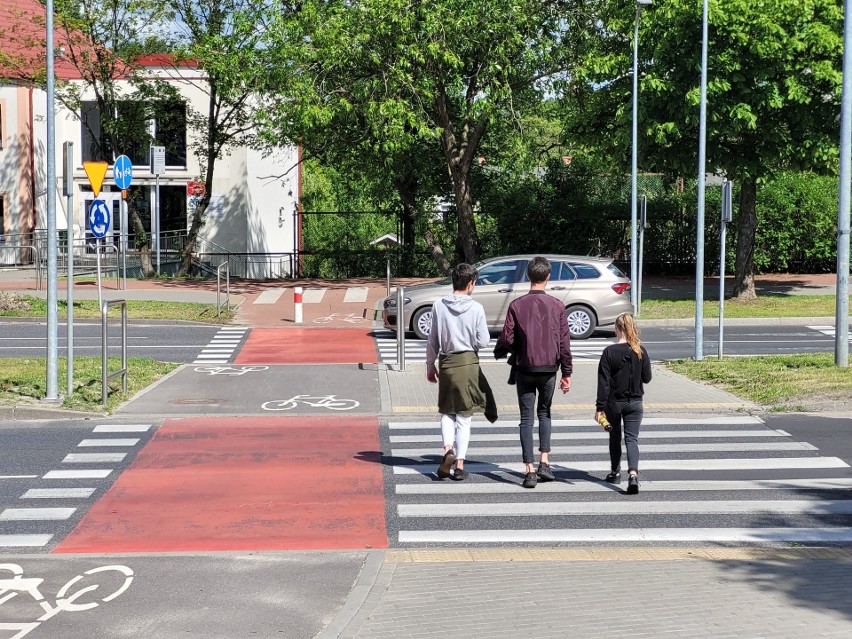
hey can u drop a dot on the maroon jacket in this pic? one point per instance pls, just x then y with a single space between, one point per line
536 332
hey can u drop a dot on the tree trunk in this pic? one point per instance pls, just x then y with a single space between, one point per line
142 243
194 229
746 230
437 253
406 188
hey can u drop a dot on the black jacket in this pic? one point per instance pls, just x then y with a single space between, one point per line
621 374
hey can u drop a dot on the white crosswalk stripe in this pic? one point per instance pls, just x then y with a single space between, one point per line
710 480
828 330
415 349
221 348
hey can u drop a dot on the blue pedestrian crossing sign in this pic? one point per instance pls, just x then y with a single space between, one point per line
122 172
99 218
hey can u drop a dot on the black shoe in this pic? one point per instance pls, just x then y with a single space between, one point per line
530 480
633 485
545 472
460 474
446 464
614 477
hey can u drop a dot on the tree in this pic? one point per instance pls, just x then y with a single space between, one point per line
222 38
772 98
404 78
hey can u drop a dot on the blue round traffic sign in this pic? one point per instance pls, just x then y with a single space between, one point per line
99 218
122 172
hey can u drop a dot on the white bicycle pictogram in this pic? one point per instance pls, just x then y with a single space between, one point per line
332 402
67 599
351 318
229 370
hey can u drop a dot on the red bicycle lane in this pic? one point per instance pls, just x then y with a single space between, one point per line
254 482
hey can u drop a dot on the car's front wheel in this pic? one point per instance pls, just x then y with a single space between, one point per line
581 322
421 323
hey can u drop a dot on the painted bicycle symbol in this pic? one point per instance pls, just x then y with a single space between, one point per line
351 318
332 402
74 596
229 370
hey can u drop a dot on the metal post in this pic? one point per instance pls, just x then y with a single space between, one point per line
98 253
400 329
105 374
69 296
634 160
122 207
702 152
157 223
388 278
643 218
727 212
841 320
52 311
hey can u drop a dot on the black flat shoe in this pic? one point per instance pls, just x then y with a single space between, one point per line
446 464
613 478
633 485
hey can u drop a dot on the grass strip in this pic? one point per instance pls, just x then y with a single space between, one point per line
23 381
780 382
763 306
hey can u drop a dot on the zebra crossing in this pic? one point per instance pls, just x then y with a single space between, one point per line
222 347
703 480
415 349
827 330
52 500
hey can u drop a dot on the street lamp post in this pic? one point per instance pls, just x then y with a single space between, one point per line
699 238
634 162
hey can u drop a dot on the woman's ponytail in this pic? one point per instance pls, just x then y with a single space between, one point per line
625 325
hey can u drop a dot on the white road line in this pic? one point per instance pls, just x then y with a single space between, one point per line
21 541
587 486
122 428
98 473
36 514
312 295
210 361
356 294
269 296
766 463
91 443
93 458
622 507
706 535
597 434
60 493
18 476
647 421
646 448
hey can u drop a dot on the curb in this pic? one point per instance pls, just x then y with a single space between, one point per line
40 413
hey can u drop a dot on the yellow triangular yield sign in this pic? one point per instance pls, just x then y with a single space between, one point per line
96 171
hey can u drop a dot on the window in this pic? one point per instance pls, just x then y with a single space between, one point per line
503 273
586 271
2 217
138 125
2 129
562 272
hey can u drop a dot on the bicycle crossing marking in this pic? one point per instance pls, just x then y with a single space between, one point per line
491 507
222 346
269 296
415 349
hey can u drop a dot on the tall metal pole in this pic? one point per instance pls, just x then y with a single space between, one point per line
68 170
157 222
841 320
699 238
52 323
634 162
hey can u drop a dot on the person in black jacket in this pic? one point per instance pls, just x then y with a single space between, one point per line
623 371
536 334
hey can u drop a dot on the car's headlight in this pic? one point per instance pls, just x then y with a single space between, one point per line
390 302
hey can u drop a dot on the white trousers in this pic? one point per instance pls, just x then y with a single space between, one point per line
456 429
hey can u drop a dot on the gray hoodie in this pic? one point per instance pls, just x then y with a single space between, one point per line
458 325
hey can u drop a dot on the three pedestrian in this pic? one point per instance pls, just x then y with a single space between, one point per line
623 371
458 332
536 335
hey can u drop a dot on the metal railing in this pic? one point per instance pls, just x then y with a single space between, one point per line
105 374
36 259
219 287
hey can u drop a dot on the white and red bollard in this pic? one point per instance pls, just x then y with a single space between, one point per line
297 303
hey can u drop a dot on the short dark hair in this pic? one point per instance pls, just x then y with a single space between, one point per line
538 269
463 274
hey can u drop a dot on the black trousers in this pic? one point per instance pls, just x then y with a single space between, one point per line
529 385
626 416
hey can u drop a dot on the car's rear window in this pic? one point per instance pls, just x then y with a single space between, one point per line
586 271
615 270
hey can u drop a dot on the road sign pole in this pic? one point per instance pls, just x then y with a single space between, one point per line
52 393
98 251
122 205
68 186
157 222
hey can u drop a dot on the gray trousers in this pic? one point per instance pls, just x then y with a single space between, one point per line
627 416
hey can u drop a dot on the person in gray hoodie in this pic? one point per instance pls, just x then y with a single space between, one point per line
458 332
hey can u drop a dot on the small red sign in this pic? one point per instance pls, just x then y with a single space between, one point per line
195 189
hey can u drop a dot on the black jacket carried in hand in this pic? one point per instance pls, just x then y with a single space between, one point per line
621 374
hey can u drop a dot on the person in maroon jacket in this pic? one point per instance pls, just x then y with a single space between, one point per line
536 334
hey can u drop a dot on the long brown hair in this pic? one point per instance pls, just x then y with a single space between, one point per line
625 325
